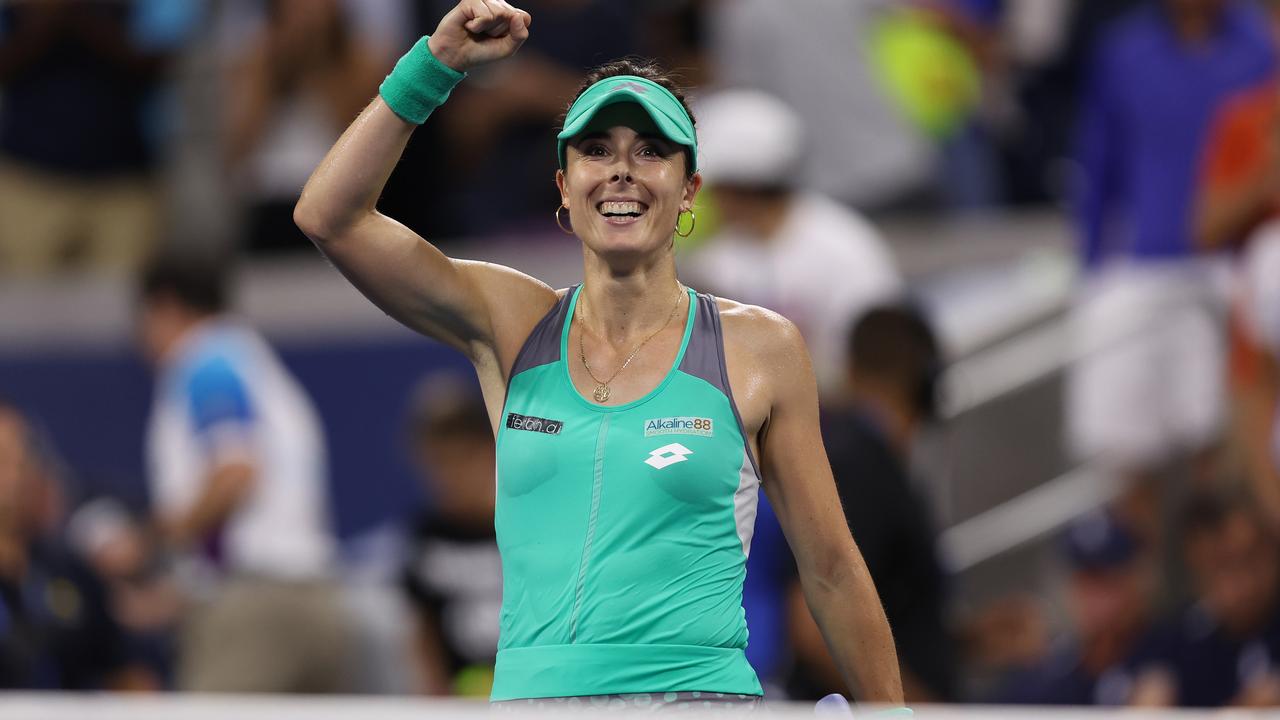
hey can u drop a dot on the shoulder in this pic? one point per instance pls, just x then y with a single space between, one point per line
761 335
514 284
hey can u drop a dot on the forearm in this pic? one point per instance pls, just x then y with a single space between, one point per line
848 612
1224 217
1261 406
224 491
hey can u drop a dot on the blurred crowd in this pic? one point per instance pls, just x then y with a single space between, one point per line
168 140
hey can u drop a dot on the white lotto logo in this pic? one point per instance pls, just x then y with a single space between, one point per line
668 455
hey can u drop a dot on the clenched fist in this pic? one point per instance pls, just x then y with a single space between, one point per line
476 32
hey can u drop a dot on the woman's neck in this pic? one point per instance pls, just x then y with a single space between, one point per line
618 306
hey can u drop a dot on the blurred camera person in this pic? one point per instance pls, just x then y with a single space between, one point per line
239 491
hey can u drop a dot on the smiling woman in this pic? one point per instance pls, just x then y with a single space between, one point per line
628 471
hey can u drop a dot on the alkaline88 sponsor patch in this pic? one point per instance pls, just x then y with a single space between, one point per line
678 426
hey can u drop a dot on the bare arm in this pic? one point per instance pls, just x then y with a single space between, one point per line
248 104
1224 216
798 481
225 488
1261 403
481 309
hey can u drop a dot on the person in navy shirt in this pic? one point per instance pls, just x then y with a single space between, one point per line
1225 648
1112 639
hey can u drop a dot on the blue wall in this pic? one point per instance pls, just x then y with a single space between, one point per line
93 406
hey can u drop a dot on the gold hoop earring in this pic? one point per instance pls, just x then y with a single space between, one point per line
693 223
563 229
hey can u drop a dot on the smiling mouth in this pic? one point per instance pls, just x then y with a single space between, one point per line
621 212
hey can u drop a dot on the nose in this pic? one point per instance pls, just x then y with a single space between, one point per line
621 170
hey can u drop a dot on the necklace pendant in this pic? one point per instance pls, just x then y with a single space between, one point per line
602 393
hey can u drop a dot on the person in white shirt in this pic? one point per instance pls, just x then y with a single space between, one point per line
238 479
782 246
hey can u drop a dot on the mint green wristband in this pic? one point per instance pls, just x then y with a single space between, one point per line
418 84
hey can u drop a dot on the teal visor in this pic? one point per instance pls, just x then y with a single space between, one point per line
663 108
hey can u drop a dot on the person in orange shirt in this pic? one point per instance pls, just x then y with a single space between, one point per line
1239 207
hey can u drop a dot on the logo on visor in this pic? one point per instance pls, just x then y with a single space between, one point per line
629 85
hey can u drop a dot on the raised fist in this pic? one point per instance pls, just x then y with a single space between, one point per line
476 32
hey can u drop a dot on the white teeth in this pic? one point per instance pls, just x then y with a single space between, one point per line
613 207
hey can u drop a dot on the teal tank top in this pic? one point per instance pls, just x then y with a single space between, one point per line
624 530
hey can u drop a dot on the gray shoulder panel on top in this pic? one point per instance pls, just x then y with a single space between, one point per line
702 357
543 344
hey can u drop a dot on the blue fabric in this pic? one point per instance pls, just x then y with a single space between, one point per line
164 24
75 109
983 12
1210 666
1145 113
1061 679
770 573
216 394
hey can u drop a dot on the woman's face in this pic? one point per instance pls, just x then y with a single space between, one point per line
625 184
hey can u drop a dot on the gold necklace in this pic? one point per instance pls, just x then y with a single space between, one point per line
602 390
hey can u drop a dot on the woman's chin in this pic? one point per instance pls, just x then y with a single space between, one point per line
626 239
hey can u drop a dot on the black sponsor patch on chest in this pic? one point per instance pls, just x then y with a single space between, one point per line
516 421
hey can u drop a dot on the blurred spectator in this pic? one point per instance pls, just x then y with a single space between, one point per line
55 631
1259 310
306 72
1110 641
454 573
781 246
1239 203
239 487
1226 648
1150 386
892 372
816 56
141 595
941 62
79 126
1048 43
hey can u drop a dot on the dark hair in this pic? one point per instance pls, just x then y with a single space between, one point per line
895 342
447 405
646 68
1207 512
199 282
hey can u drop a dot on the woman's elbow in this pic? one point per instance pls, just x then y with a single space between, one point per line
315 220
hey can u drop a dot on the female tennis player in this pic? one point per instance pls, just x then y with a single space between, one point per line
635 418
